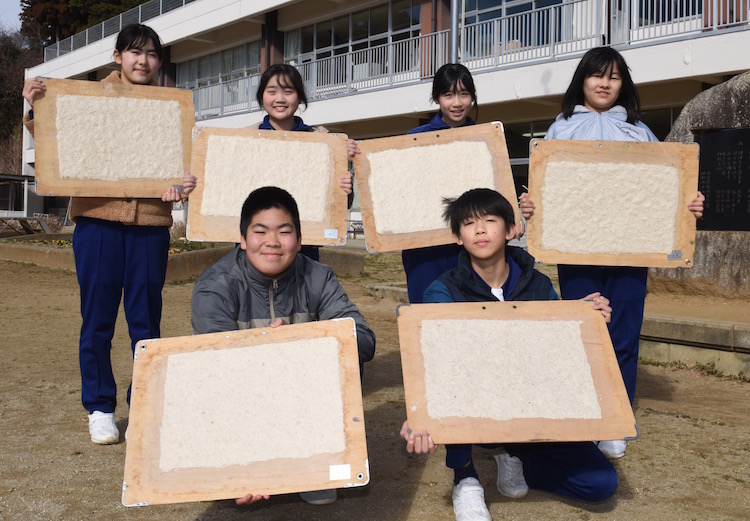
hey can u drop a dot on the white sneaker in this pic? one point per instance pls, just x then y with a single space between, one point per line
102 428
468 501
319 497
613 449
510 480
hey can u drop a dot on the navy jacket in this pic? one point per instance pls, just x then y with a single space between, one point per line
299 125
436 123
462 284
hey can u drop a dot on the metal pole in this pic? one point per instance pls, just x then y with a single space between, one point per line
454 31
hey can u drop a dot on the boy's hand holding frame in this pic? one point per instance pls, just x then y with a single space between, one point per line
418 442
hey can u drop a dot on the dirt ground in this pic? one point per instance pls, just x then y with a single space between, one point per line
692 460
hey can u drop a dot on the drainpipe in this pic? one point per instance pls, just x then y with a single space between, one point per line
454 31
433 21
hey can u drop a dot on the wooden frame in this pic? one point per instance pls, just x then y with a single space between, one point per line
491 134
146 482
684 158
616 421
329 231
129 136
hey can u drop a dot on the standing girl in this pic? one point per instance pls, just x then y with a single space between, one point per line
602 103
121 247
454 92
280 92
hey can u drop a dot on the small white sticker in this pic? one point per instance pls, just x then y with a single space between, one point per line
331 233
340 472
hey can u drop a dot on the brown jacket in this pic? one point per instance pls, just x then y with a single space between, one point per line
141 212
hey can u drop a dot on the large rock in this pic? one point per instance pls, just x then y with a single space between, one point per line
722 258
724 106
721 268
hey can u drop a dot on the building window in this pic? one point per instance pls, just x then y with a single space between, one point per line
524 24
652 12
220 67
380 25
9 196
477 11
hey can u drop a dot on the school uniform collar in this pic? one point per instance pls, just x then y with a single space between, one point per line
299 125
437 122
514 273
617 112
521 266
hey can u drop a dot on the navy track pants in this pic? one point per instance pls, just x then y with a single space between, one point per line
113 259
576 470
625 287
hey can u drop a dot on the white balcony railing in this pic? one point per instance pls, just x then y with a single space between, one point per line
648 20
136 15
407 61
226 97
529 37
538 34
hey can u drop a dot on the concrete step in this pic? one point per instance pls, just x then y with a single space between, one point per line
723 345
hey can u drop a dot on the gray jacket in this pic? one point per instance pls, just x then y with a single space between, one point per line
233 295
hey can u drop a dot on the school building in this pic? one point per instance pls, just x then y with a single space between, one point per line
368 64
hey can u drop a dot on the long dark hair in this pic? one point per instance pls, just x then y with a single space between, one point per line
137 36
288 75
447 79
598 62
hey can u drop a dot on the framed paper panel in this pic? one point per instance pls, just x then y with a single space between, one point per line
505 372
231 163
402 181
95 139
266 410
612 203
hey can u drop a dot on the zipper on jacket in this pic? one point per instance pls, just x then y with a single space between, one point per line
271 288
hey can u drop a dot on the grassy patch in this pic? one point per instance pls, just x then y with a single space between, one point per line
384 267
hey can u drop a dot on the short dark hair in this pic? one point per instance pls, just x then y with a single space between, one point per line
264 199
447 79
474 203
598 62
288 75
137 36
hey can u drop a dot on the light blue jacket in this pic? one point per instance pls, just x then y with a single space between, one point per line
611 125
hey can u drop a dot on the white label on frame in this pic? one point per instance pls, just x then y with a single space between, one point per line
340 472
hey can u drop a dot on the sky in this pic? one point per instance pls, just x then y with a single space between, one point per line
9 10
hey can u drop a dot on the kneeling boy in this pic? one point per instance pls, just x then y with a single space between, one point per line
264 282
488 269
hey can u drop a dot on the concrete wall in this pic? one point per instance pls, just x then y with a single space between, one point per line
719 344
